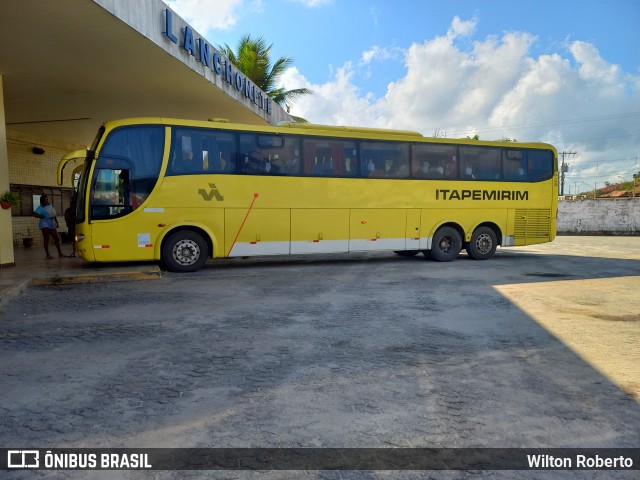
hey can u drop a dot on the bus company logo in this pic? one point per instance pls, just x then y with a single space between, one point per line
23 459
442 194
211 194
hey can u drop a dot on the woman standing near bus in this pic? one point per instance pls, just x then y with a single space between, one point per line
48 224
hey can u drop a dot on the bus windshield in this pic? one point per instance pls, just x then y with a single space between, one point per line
126 171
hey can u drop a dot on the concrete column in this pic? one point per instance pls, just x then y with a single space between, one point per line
6 229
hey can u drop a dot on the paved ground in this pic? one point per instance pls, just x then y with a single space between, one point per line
537 347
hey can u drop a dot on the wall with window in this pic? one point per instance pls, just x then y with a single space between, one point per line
33 174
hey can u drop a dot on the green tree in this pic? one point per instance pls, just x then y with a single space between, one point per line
252 57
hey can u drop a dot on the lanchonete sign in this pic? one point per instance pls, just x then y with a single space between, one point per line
218 63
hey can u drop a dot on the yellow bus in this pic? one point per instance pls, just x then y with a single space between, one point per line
180 191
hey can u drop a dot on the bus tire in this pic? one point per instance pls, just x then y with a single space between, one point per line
406 253
483 243
184 251
446 245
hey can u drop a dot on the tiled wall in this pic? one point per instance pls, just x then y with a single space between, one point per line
28 168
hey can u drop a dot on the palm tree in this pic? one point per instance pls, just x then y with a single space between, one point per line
252 59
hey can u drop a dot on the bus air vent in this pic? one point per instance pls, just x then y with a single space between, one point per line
531 225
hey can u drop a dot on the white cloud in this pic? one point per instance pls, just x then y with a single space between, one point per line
204 15
461 28
378 53
495 88
313 3
595 70
337 102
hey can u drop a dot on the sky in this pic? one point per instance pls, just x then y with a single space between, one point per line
566 72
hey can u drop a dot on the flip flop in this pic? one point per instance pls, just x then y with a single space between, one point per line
49 257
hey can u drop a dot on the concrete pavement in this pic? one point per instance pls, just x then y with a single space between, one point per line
32 268
536 348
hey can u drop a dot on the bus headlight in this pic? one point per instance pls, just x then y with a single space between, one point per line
79 237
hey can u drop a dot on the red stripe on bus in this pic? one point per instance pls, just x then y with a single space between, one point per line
255 195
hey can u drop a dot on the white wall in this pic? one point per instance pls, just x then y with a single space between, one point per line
620 216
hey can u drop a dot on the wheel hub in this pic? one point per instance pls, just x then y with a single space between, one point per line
445 244
484 244
186 252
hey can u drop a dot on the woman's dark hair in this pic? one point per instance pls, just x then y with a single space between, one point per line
42 199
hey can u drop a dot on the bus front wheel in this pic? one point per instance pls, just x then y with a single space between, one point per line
446 244
483 243
184 251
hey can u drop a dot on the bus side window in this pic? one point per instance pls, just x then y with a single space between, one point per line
385 159
250 160
182 158
219 152
255 163
228 159
350 155
434 161
209 156
293 161
540 165
419 162
285 157
514 167
396 164
199 151
480 163
269 154
329 157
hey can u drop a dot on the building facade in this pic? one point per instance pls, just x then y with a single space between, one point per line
93 61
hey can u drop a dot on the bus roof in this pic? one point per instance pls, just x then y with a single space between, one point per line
347 129
310 128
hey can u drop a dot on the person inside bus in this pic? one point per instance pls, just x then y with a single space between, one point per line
292 165
255 163
278 166
371 167
436 171
401 170
324 166
452 168
467 172
375 169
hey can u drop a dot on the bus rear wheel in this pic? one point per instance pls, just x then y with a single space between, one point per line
184 251
483 243
446 245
